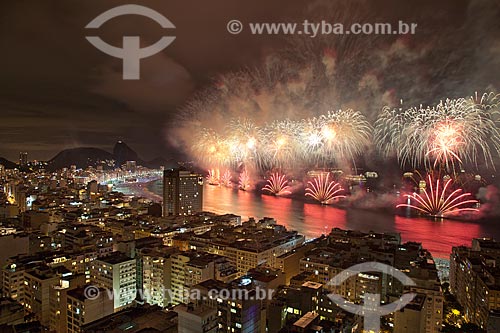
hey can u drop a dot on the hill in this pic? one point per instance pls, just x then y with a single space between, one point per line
7 164
81 157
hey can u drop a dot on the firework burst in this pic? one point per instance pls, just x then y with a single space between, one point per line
212 149
213 177
440 200
225 179
244 181
446 135
245 142
281 144
278 185
324 190
344 133
334 137
297 81
445 144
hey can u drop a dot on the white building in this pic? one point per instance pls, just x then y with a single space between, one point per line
117 274
156 278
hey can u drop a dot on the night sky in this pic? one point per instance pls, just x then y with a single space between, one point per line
57 91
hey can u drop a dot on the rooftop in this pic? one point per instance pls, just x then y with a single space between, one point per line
115 258
198 310
80 294
306 320
312 285
133 320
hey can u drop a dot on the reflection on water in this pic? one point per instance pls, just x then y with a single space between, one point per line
312 220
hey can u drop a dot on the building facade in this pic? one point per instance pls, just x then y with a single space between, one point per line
182 192
117 274
475 281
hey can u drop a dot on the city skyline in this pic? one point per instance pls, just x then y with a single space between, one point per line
250 167
96 238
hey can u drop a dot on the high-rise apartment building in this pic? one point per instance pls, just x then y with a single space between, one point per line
197 318
131 166
264 241
38 284
182 192
156 277
475 281
23 158
58 321
117 274
209 313
189 269
82 310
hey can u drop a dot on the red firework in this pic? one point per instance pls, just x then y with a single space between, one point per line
225 180
323 189
213 176
440 200
277 185
244 181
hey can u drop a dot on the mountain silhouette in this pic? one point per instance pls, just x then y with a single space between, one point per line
84 157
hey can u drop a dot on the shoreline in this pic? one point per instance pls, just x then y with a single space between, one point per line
150 190
145 190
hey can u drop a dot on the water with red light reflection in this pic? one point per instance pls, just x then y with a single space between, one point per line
313 220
